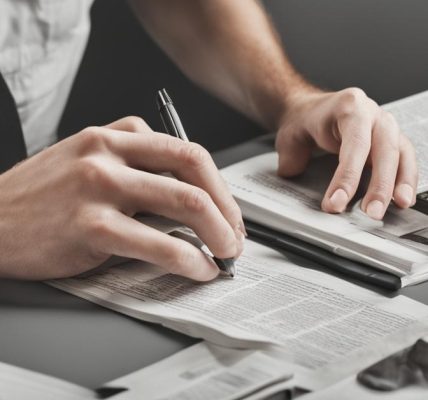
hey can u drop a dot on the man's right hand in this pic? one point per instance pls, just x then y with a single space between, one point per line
69 208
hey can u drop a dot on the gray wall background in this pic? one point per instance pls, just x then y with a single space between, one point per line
378 45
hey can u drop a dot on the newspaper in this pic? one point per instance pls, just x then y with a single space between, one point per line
350 389
293 206
412 116
398 244
325 327
204 372
208 372
18 383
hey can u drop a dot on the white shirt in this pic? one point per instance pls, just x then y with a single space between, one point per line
41 47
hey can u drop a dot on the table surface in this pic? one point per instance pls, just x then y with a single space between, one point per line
49 331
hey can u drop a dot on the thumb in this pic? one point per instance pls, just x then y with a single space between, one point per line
294 153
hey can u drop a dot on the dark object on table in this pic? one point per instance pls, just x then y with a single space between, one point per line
422 203
404 368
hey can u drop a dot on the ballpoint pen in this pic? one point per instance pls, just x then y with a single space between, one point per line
174 127
347 267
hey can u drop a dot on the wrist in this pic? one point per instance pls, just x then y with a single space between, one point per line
276 109
297 99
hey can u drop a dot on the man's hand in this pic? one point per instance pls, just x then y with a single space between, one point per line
355 127
70 207
232 49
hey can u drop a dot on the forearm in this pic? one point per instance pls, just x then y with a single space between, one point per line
228 47
231 48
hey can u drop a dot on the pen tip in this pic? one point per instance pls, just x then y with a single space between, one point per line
226 265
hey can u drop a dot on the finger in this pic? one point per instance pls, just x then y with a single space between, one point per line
179 201
123 236
355 147
294 153
407 175
385 157
130 124
189 162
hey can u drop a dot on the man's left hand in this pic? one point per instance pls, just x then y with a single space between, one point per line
353 126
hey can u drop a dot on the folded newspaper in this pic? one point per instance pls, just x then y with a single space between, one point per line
398 244
321 327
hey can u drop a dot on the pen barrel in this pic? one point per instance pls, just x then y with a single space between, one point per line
172 122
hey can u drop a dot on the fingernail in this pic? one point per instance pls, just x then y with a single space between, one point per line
339 200
405 192
375 209
241 240
241 227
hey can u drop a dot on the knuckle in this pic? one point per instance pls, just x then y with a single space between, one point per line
168 144
360 141
92 139
135 124
390 119
353 95
351 100
194 156
382 185
393 145
101 223
92 172
196 200
391 127
349 177
382 189
97 223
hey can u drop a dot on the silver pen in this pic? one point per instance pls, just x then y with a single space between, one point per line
174 127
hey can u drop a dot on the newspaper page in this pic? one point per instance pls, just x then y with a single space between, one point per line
293 206
350 389
18 383
412 116
208 372
204 372
315 321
